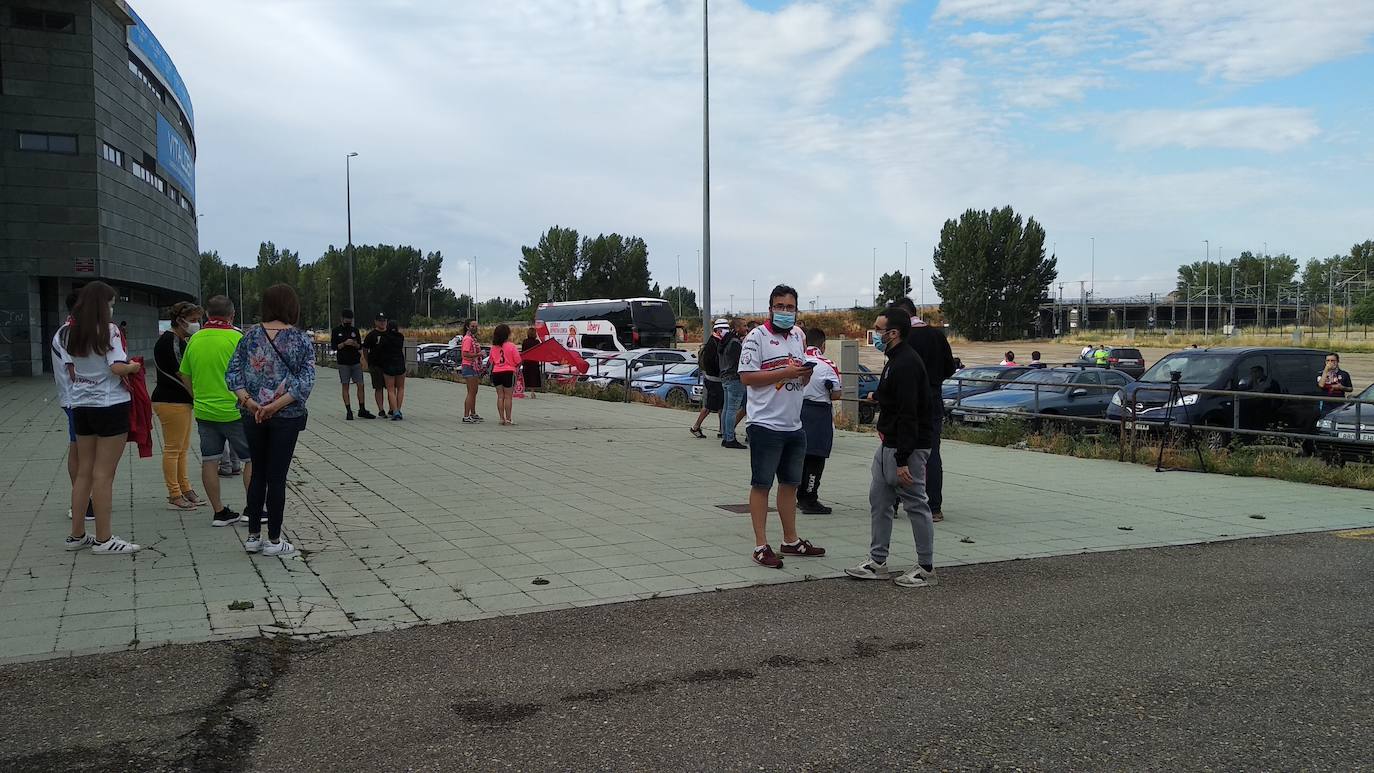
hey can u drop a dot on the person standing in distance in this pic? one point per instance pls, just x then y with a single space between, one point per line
471 370
709 360
818 420
172 404
1333 382
392 356
772 366
905 407
505 360
96 363
203 365
373 351
347 342
731 349
64 398
932 347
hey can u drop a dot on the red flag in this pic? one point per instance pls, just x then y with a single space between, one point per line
551 351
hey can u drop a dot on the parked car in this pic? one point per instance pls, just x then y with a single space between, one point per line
608 368
428 352
1286 371
1067 391
1347 442
959 386
677 385
1129 361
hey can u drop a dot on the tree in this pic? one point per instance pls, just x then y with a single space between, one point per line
684 302
992 273
892 287
1256 278
549 269
1363 313
561 267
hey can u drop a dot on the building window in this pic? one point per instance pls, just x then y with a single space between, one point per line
48 21
141 172
154 85
159 183
112 154
48 143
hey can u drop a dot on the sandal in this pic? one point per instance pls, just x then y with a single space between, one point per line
193 498
179 503
696 432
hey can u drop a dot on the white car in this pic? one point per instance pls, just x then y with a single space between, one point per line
428 352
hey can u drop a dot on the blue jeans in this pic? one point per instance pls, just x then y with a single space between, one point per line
272 444
734 400
774 453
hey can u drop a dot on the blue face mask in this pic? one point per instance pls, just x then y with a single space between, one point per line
880 344
784 320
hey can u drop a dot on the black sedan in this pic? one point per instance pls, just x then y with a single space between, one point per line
977 379
1349 440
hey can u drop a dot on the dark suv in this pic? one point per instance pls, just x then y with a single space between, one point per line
1128 361
1282 371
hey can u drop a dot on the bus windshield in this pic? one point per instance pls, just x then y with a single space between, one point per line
655 323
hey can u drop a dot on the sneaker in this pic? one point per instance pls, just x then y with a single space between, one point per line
469 420
765 556
732 444
936 516
84 541
396 416
477 418
226 472
225 517
364 413
868 570
115 545
90 512
803 548
813 507
385 414
253 544
282 549
696 432
916 578
349 416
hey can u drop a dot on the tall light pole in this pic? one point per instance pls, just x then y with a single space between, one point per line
906 266
476 310
875 277
923 292
1206 286
348 204
753 303
1092 269
679 285
329 299
705 171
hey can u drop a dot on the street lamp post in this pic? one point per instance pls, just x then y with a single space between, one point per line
1206 288
705 171
753 302
329 300
906 266
348 205
1092 268
875 277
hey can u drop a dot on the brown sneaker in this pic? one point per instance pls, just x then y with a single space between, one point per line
802 548
936 516
765 556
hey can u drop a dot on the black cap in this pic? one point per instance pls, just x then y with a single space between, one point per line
380 315
346 314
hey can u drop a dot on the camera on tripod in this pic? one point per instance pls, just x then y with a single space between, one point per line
1175 376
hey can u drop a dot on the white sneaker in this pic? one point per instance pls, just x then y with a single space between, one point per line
90 516
77 543
115 545
253 544
282 549
868 570
916 578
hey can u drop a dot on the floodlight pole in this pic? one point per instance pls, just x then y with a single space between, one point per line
705 171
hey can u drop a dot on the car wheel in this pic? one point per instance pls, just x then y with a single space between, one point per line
676 398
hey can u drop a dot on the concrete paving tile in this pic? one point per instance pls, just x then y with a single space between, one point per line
117 637
12 647
504 603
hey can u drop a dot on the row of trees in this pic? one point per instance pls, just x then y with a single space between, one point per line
398 280
563 265
1276 277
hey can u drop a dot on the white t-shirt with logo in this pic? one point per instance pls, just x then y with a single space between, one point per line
94 385
776 406
823 372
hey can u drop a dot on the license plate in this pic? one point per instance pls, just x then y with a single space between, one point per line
976 418
1346 435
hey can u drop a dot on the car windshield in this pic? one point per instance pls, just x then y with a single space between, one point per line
1196 368
974 373
1031 379
659 371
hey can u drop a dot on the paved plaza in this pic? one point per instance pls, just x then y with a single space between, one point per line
581 503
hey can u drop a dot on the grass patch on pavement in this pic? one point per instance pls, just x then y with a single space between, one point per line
1239 460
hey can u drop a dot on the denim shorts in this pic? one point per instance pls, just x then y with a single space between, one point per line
774 453
213 436
467 371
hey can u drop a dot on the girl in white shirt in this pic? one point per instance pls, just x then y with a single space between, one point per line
95 360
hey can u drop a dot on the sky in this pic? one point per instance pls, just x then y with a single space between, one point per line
1139 133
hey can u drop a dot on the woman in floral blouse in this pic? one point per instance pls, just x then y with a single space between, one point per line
272 372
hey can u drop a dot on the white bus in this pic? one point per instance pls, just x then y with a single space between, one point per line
608 325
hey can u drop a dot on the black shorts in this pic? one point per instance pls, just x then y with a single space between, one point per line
715 396
506 379
395 369
378 378
101 422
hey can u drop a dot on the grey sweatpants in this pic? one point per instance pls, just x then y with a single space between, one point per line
885 491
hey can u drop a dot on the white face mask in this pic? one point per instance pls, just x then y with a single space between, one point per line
192 328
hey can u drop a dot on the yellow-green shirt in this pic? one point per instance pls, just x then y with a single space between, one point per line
205 360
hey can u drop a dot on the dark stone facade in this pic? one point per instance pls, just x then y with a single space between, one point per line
66 219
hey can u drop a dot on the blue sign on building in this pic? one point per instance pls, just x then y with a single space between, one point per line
146 45
174 154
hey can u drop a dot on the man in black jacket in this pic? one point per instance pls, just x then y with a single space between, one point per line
932 347
906 408
713 397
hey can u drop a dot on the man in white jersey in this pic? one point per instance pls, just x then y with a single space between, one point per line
772 366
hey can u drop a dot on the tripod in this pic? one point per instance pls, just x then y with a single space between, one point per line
1176 399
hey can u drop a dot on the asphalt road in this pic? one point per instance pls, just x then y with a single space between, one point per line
1251 654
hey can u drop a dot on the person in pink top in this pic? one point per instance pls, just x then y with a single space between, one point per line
505 360
471 370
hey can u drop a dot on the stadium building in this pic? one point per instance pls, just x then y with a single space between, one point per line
97 173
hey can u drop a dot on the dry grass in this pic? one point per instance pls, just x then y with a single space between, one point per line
1355 342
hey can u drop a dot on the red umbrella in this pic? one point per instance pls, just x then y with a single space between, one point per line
551 351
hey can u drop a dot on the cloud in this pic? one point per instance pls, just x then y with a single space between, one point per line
1270 129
